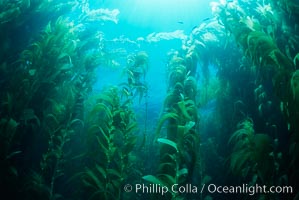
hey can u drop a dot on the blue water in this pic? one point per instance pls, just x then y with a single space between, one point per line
138 19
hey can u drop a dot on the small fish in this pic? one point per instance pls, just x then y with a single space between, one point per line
180 22
127 92
206 19
194 27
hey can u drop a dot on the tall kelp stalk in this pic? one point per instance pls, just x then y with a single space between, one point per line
45 83
136 89
219 76
110 127
254 156
180 144
288 42
22 118
43 98
259 36
42 108
182 159
20 20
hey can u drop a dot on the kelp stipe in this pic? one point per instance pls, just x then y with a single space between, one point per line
251 152
110 127
260 40
46 100
178 149
135 71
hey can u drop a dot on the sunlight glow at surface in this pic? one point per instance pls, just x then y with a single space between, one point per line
161 15
165 12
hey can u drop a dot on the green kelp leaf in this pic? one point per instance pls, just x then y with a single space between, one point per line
66 67
103 146
8 103
48 28
239 159
57 196
183 109
168 142
77 121
58 173
165 117
29 115
11 126
206 179
153 179
117 185
13 171
245 130
295 59
102 171
8 129
52 122
181 130
63 55
105 98
182 172
107 136
92 180
80 156
168 179
188 126
129 145
9 14
12 154
32 72
101 108
114 172
131 127
93 130
293 85
238 135
164 165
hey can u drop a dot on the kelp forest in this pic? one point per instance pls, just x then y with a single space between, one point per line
229 116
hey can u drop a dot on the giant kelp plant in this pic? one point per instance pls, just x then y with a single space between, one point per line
61 139
178 154
259 39
110 127
42 103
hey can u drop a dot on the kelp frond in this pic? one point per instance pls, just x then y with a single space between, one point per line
163 119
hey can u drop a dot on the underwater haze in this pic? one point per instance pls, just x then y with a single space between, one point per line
149 99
